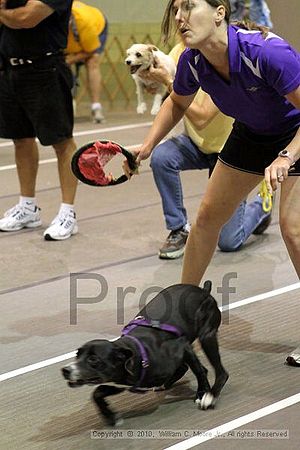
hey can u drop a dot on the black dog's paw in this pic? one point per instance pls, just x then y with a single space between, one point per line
219 384
114 420
205 400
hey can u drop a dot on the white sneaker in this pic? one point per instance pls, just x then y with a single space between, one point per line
62 227
20 216
97 114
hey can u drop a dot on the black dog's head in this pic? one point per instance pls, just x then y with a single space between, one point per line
97 362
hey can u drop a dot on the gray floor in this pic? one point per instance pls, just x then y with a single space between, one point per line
121 229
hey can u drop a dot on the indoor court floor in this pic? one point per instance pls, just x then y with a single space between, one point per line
107 271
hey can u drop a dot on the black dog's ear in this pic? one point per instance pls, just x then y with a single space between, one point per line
125 355
207 286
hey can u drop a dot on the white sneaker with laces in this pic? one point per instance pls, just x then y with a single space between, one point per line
63 226
21 216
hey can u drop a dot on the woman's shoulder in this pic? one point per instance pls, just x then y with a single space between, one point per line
192 56
253 44
256 39
276 50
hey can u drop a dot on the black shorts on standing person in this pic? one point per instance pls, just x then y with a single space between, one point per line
36 101
24 89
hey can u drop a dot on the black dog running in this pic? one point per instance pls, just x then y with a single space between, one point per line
155 350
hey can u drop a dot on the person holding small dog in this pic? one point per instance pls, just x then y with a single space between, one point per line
206 130
253 76
36 101
257 11
88 29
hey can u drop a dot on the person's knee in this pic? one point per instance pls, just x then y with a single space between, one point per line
20 144
160 159
290 231
65 146
206 218
93 61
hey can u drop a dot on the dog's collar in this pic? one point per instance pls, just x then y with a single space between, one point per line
144 358
141 321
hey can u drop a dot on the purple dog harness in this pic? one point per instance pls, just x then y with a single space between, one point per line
141 321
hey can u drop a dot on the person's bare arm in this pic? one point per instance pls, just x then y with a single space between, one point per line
27 16
202 114
170 113
294 97
281 166
199 114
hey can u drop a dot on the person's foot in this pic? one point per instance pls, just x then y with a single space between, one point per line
97 114
267 201
21 216
62 227
264 224
174 245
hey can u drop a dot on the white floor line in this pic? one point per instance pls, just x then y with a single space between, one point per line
49 362
233 424
214 432
36 366
255 415
118 128
257 298
95 130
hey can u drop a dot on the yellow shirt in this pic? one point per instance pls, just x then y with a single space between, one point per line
213 137
89 22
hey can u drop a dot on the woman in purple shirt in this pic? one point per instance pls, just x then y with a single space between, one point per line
253 76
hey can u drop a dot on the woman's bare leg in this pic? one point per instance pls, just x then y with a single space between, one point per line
226 188
290 218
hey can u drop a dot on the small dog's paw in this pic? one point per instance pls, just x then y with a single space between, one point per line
206 401
141 108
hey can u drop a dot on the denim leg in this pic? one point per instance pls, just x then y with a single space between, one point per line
167 161
244 221
260 13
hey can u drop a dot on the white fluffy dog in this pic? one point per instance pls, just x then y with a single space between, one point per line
141 57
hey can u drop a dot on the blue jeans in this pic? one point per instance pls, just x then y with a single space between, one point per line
260 13
178 154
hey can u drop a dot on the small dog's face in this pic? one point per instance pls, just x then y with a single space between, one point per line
93 364
97 362
139 57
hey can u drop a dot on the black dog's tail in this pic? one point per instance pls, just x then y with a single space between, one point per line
207 286
208 317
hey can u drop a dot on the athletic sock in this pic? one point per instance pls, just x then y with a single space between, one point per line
65 208
95 105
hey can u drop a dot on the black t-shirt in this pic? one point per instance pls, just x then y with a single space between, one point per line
50 35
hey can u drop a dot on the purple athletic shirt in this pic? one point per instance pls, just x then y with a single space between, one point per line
262 71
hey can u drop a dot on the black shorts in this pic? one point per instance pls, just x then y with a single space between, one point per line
36 101
252 152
